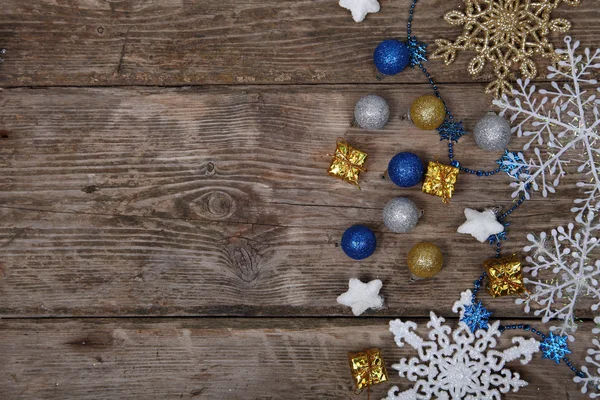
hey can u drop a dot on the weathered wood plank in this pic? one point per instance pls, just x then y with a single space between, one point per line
220 358
216 202
169 42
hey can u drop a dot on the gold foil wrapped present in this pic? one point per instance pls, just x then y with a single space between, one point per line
368 368
440 180
505 275
347 162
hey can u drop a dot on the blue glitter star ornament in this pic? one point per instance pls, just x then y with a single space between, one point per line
417 51
513 164
450 130
554 347
476 316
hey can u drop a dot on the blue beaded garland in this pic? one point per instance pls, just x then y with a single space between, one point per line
391 57
406 169
358 242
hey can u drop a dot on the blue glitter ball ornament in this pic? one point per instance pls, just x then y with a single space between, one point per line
406 169
391 56
358 242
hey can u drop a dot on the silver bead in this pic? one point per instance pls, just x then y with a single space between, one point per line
400 215
371 112
492 132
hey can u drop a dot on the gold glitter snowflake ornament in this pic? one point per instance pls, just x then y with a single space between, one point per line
504 33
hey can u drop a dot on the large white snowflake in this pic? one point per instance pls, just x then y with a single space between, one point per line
592 378
561 125
566 271
458 364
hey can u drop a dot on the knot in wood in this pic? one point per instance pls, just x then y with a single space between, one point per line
244 259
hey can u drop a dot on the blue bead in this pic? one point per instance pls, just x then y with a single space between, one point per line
479 173
358 242
406 169
391 57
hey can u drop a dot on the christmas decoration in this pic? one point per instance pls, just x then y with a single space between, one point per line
504 33
513 164
554 347
362 296
358 242
424 260
588 378
562 127
427 112
505 275
458 364
481 225
566 269
417 51
371 112
368 368
405 169
360 8
401 214
492 132
347 162
440 180
391 57
451 131
474 315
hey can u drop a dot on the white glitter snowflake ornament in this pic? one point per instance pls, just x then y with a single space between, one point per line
591 379
565 271
458 364
561 125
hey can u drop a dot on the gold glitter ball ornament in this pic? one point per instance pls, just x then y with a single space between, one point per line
505 33
427 112
505 275
425 260
368 368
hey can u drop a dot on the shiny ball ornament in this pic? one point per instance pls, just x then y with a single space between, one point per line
425 260
492 132
406 169
371 112
391 57
400 215
358 242
427 112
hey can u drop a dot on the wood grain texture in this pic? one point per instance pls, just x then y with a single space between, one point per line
221 358
185 42
215 201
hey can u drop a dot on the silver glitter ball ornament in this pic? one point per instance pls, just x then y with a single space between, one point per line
492 132
400 215
371 112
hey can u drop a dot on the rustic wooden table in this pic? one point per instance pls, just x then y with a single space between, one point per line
168 229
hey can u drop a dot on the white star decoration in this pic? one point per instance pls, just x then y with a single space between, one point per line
480 225
458 364
362 296
360 8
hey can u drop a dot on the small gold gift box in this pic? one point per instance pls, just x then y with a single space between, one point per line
440 180
368 368
505 275
347 162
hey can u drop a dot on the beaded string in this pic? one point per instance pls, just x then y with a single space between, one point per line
456 131
548 345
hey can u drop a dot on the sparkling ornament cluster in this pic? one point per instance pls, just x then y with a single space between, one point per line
504 33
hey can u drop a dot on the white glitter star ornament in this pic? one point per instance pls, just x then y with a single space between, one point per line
481 225
360 8
458 364
362 296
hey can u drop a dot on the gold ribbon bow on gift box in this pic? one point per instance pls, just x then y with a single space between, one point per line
347 162
368 368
